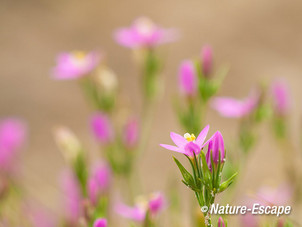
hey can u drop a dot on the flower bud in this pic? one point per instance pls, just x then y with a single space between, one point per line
156 203
131 133
216 146
12 136
72 197
106 79
207 60
221 222
102 128
281 97
68 143
187 78
100 222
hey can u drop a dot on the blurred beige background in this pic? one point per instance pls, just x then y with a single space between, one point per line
260 40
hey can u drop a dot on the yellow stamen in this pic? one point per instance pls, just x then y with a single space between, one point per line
189 137
79 54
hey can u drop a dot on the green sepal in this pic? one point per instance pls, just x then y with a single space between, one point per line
223 186
206 172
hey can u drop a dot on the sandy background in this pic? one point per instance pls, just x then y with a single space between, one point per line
260 40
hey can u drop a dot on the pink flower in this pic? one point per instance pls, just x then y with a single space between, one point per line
234 108
102 128
187 78
187 144
99 181
72 199
221 222
75 65
207 60
135 213
12 136
281 97
143 33
216 146
100 222
275 196
131 133
155 204
39 217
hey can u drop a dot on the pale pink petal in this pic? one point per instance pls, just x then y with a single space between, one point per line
202 136
179 140
172 148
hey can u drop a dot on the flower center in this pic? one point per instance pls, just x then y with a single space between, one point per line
189 137
79 55
145 26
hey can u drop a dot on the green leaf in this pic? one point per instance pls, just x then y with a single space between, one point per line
227 183
188 178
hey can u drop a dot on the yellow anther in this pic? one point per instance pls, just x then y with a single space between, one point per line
189 137
79 54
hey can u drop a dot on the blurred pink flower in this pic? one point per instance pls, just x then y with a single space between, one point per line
39 217
207 60
275 196
281 97
188 144
155 204
248 219
12 136
221 222
216 146
102 128
187 78
99 181
143 33
234 108
75 65
72 196
100 222
135 213
131 133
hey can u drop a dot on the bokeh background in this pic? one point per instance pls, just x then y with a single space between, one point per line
259 40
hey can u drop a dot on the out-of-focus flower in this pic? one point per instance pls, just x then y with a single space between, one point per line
12 136
99 181
157 203
154 205
234 108
68 143
130 136
102 128
221 222
75 65
144 33
248 219
40 217
216 146
100 222
275 196
281 97
207 60
72 197
187 78
187 144
107 80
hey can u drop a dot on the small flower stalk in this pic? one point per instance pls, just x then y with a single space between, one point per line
205 177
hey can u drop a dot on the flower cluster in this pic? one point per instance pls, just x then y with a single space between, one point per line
205 177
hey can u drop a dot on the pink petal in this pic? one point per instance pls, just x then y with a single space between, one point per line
179 140
202 136
172 148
